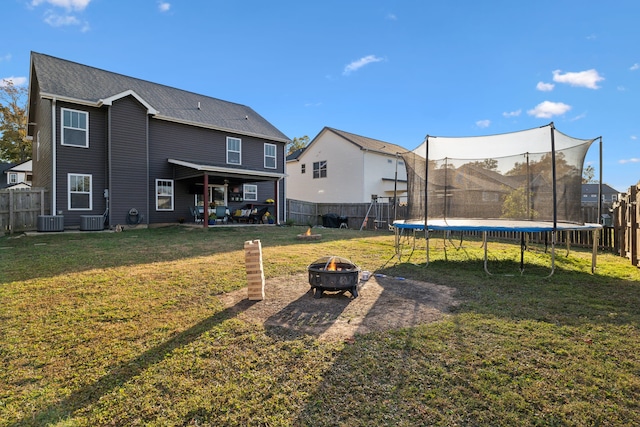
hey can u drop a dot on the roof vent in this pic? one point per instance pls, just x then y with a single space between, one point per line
199 105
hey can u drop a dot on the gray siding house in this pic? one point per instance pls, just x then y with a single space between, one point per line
145 153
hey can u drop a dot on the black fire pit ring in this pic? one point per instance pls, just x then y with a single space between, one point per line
333 273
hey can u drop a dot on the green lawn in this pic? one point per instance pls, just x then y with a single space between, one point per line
127 329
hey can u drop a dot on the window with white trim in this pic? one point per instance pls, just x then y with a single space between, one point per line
164 194
75 128
12 178
320 169
234 151
79 187
270 156
250 192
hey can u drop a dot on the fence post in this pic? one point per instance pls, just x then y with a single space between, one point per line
12 215
633 225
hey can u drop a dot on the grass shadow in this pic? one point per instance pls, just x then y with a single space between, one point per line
120 374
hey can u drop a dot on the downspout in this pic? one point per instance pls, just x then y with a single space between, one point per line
54 171
276 187
109 174
148 173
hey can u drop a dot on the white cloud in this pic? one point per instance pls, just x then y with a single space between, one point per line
588 79
17 81
548 109
67 4
631 160
508 114
579 117
6 57
483 123
163 6
634 137
356 65
545 87
61 20
635 67
392 17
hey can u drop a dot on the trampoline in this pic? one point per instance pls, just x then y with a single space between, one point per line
526 182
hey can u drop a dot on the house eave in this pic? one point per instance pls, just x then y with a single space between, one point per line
228 171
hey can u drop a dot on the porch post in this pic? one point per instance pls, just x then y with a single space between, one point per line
205 198
276 201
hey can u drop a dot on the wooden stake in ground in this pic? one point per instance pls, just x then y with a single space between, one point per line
255 273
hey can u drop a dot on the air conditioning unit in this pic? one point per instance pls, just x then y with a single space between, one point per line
50 223
91 222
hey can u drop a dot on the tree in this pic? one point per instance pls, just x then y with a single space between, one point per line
297 144
14 146
587 175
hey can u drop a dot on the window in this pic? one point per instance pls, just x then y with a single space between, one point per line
75 128
270 156
303 168
164 194
12 178
79 192
614 197
250 192
233 151
320 169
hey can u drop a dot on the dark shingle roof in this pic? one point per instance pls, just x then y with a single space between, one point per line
72 81
369 143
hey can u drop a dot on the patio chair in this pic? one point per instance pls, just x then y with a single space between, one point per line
257 217
222 213
195 213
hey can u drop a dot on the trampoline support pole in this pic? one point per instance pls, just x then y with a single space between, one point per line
484 243
594 254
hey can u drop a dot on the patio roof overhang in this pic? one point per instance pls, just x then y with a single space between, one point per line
236 173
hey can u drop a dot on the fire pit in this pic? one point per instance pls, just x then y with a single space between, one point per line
309 236
333 273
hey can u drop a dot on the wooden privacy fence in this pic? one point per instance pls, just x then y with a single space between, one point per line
379 214
19 209
626 222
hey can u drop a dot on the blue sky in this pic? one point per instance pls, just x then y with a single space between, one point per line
390 70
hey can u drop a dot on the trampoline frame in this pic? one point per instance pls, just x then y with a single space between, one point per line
487 225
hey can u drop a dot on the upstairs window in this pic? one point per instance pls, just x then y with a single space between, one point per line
234 155
12 178
303 168
164 194
79 191
270 156
320 169
75 128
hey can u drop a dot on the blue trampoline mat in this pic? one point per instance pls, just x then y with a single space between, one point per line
493 225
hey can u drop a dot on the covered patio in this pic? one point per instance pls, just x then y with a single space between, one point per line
232 188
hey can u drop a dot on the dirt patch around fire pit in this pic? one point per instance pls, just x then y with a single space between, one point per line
290 309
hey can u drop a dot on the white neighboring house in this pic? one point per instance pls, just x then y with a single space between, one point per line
17 175
341 167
